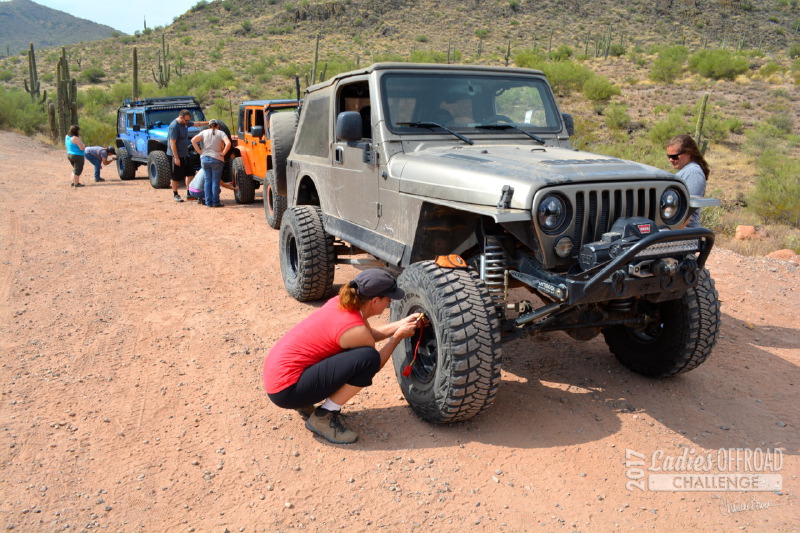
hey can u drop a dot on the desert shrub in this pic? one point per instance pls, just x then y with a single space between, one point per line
784 122
777 194
6 75
671 125
764 137
18 112
93 75
247 26
718 64
427 56
668 65
617 117
421 38
279 30
198 6
617 50
98 131
562 53
769 69
212 19
599 89
794 51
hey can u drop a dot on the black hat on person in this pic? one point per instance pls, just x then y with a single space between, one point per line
111 150
213 122
376 282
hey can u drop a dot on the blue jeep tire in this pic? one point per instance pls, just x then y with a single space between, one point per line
159 169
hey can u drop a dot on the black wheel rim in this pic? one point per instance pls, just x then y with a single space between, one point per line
424 368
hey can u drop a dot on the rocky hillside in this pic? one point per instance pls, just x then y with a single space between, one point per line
23 22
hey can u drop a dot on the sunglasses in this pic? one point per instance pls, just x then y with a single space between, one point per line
674 157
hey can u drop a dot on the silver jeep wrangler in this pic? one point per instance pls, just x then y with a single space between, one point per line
463 180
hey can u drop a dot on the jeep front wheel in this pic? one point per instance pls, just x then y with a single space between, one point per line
274 203
307 255
245 191
679 339
159 169
456 373
125 167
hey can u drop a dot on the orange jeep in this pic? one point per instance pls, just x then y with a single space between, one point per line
265 137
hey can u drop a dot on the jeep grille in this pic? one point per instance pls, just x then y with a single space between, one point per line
596 211
594 208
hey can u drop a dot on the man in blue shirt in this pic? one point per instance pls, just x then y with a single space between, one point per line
178 149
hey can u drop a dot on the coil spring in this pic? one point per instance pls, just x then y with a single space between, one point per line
620 306
493 268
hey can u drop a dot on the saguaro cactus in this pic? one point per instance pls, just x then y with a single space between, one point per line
162 79
67 99
135 75
33 76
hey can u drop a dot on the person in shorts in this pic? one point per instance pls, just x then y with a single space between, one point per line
75 154
178 150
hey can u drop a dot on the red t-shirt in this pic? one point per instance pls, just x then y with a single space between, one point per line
309 342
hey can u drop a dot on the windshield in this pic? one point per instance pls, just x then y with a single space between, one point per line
163 117
468 101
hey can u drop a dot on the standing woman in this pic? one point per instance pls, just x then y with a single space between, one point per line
685 157
331 354
212 158
75 154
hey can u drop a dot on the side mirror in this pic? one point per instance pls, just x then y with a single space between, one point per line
257 131
348 126
569 122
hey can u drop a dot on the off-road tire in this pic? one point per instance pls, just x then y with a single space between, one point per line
274 203
680 341
245 191
283 127
307 255
125 167
227 171
457 371
159 169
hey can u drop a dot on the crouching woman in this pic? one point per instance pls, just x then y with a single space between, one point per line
330 356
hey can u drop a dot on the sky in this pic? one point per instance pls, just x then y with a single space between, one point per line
125 16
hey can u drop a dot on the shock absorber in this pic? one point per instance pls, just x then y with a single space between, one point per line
493 267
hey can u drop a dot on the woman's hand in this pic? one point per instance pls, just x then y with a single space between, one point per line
408 326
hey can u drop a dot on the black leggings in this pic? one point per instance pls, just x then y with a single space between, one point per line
354 367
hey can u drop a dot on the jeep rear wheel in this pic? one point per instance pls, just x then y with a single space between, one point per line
245 191
307 256
274 203
680 339
159 169
125 167
457 369
283 127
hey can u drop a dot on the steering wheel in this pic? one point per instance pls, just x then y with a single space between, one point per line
498 118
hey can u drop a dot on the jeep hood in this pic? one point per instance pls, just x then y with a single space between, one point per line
476 174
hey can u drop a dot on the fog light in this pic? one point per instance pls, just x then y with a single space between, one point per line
563 247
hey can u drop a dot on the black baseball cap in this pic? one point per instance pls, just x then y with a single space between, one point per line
376 282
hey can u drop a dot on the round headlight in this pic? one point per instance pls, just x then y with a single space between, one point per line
552 213
670 205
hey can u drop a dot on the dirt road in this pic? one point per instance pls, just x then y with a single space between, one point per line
133 330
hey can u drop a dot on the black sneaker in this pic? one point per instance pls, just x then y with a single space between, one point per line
177 197
200 201
78 185
99 179
331 426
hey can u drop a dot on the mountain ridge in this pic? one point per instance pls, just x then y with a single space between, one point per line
25 21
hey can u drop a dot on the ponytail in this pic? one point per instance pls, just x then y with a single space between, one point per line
348 297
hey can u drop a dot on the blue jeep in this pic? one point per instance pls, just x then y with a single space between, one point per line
142 136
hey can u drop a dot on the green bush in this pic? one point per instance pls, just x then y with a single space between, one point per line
668 65
617 117
777 193
421 38
617 50
784 122
665 129
247 26
794 51
6 75
718 64
599 89
769 69
18 112
562 53
93 75
199 5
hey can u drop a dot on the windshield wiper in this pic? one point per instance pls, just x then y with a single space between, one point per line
431 125
510 127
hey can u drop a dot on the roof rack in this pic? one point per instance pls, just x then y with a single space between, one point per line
163 100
